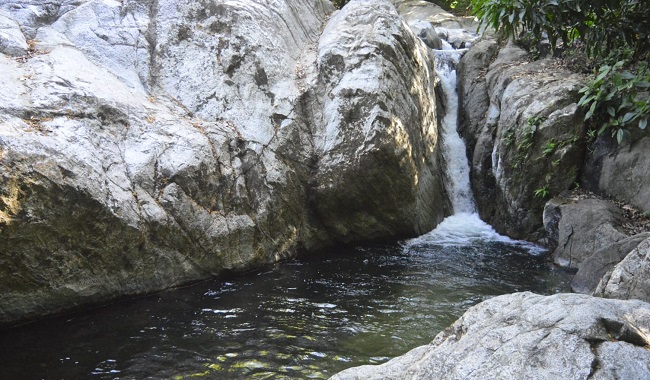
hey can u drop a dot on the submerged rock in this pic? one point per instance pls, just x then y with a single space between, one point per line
529 336
144 144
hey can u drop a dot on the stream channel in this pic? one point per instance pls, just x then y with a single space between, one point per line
305 318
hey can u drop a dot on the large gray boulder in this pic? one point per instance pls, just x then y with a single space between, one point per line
523 129
12 40
592 270
629 279
528 336
372 138
578 228
621 171
144 144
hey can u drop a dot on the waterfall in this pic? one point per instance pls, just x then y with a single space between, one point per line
457 166
464 226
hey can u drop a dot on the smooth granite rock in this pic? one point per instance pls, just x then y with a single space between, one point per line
529 336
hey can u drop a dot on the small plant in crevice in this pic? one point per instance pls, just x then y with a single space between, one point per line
542 192
549 148
610 35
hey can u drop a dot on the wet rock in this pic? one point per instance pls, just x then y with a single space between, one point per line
459 32
427 34
528 336
629 279
149 143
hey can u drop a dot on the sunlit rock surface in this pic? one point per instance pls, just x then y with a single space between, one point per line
144 144
528 336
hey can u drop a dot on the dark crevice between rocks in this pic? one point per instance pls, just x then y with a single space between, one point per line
151 36
595 363
624 332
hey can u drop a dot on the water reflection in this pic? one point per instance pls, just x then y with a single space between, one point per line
306 318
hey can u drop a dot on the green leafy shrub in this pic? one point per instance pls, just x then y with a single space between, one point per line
623 94
615 34
602 25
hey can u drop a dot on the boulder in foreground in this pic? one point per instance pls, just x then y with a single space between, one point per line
529 336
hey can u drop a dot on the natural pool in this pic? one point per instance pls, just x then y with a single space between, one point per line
304 318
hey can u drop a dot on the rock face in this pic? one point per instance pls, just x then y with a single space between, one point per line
592 270
621 171
12 40
588 235
148 143
528 336
522 126
630 278
366 146
578 229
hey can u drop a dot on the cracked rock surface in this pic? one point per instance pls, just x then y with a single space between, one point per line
631 277
147 143
529 336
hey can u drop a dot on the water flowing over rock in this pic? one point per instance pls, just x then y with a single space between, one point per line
528 336
144 144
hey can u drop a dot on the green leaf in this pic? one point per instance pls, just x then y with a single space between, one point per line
627 117
591 111
611 111
620 134
643 123
627 75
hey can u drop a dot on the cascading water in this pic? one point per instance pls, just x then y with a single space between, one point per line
464 226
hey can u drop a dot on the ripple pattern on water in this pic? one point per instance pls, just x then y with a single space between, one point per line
306 318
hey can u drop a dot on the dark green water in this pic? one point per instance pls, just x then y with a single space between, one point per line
306 318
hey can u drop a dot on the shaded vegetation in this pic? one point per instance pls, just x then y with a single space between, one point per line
614 35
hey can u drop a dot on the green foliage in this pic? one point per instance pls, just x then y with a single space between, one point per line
550 147
614 33
458 7
339 3
542 192
621 91
602 25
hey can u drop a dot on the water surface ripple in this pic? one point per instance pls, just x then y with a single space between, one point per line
305 318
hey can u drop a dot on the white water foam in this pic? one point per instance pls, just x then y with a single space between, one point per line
464 229
464 226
